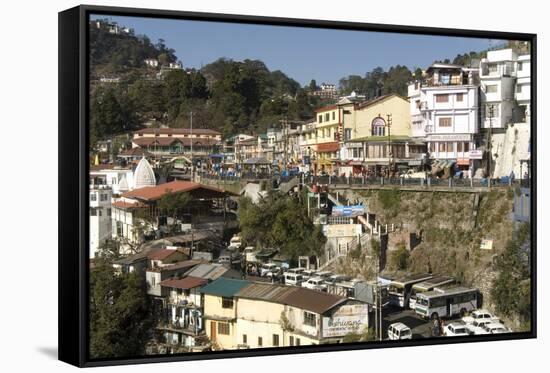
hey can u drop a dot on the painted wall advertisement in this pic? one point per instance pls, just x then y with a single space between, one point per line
348 319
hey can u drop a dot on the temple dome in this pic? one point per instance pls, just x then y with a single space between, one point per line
144 175
123 184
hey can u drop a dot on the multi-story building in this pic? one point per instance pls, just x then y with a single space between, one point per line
444 114
377 134
328 132
100 216
326 91
170 142
505 110
220 311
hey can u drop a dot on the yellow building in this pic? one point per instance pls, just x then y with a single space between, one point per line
220 311
328 132
377 135
271 315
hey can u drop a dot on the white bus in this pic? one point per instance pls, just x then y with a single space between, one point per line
446 302
400 288
424 286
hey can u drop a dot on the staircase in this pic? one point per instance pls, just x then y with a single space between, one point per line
362 240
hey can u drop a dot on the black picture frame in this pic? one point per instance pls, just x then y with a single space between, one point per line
74 167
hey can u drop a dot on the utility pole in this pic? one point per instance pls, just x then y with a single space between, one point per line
285 139
489 135
390 153
191 138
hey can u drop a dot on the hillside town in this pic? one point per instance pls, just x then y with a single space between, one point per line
181 209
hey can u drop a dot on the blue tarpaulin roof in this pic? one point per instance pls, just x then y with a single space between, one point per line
224 287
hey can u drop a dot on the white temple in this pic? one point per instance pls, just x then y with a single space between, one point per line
144 175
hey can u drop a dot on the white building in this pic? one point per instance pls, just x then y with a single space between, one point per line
151 62
505 95
100 216
497 88
119 179
444 113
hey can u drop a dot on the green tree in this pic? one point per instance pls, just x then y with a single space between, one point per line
121 316
511 291
172 205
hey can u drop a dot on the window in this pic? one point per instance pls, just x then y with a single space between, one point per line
275 340
378 127
432 147
347 133
333 115
291 340
492 110
493 88
260 342
309 319
119 229
93 212
327 117
93 197
223 328
518 88
445 122
103 197
493 67
108 212
153 281
297 341
441 98
99 212
466 147
320 119
459 97
227 302
459 147
442 147
520 66
245 341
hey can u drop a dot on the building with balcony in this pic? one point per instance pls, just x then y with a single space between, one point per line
328 132
498 73
444 113
377 134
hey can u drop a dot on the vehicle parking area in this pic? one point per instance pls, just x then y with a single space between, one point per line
421 328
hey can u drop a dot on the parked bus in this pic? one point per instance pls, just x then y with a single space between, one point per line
424 286
400 288
446 302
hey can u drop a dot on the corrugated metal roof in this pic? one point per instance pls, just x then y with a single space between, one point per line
208 271
307 299
224 287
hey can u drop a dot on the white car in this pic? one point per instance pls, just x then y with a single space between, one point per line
455 329
315 283
477 326
308 273
268 268
293 279
478 315
399 331
494 328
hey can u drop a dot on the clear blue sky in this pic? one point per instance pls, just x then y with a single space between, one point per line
301 53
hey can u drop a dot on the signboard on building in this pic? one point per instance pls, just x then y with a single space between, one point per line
486 245
347 319
449 137
348 211
476 154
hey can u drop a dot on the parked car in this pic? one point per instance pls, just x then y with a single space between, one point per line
308 273
293 279
324 274
399 331
337 278
413 175
315 283
455 329
478 315
235 242
494 328
476 327
268 268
